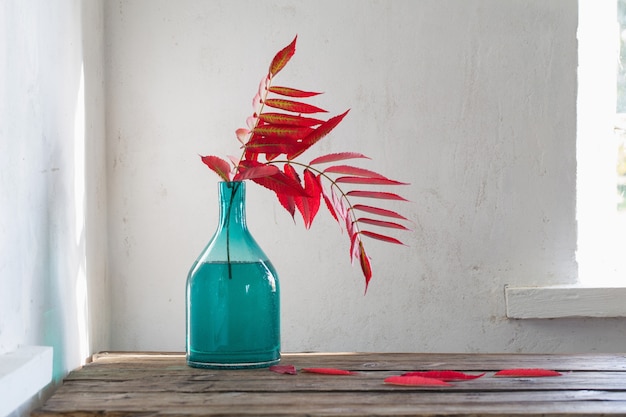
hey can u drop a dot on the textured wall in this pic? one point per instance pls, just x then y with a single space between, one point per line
50 59
473 103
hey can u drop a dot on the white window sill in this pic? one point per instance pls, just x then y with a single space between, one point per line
564 301
23 373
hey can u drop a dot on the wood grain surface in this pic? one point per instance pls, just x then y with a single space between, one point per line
145 383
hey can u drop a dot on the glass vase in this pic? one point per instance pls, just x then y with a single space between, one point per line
233 295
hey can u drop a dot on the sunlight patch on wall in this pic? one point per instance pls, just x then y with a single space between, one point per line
598 231
82 304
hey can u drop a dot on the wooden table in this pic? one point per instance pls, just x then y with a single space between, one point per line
132 384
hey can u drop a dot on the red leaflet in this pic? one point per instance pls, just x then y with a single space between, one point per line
366 265
371 181
348 169
355 243
288 119
281 184
375 194
265 82
381 223
242 135
416 381
381 237
292 92
379 211
526 372
317 134
271 145
288 201
329 205
284 369
217 164
282 57
335 206
444 375
294 106
338 210
257 171
310 205
282 131
329 371
333 157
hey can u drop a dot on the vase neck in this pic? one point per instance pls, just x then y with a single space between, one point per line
232 197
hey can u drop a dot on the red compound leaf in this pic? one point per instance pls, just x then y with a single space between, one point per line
444 375
328 371
525 372
416 381
284 369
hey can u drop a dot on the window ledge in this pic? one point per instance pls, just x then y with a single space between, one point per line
564 301
23 373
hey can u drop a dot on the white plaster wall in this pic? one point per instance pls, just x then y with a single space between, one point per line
472 102
51 55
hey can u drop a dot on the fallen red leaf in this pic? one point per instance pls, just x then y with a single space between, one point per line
328 371
415 381
284 369
444 375
526 372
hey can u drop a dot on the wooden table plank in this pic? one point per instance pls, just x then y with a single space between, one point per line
399 361
254 381
117 384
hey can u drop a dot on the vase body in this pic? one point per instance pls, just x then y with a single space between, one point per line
233 295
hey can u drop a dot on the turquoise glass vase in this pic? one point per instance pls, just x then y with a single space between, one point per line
233 295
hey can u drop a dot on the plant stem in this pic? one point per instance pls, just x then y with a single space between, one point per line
234 190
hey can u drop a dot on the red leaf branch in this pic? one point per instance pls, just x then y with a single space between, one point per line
283 130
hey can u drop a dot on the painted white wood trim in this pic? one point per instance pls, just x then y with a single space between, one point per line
564 301
23 373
